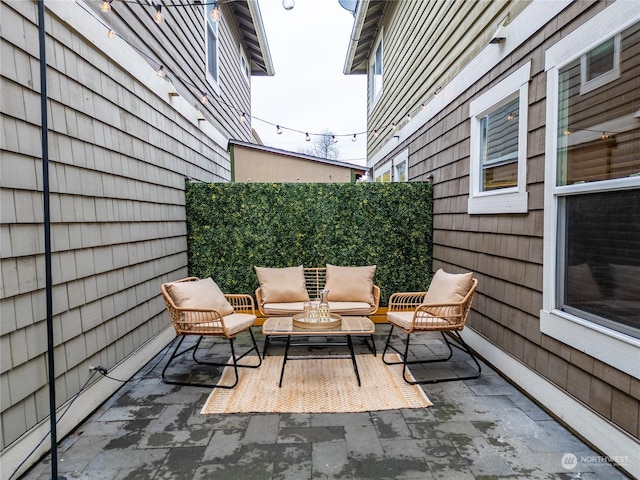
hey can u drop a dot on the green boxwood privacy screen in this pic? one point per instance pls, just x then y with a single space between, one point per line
233 227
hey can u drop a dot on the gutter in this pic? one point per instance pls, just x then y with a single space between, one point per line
361 13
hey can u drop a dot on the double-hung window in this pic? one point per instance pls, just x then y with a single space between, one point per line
401 166
211 48
592 189
383 173
244 66
376 73
395 170
499 147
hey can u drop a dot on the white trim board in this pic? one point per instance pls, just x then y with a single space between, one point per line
602 434
86 402
131 61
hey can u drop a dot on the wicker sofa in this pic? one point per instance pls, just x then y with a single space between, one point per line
283 291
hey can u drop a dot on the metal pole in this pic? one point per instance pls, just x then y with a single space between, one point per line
47 238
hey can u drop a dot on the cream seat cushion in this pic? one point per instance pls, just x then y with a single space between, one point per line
405 320
282 284
448 287
342 308
350 284
234 323
200 294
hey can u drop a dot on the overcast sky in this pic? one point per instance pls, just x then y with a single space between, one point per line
309 92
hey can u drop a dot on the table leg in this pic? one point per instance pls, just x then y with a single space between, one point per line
372 347
267 341
284 359
353 358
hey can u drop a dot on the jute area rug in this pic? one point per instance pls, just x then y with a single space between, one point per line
316 386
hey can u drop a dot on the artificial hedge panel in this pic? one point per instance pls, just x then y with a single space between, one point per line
233 227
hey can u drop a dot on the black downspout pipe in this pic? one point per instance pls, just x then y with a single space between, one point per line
47 238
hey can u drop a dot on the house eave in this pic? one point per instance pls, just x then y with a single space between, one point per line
248 18
364 33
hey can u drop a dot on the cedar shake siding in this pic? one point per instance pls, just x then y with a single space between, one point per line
506 250
121 148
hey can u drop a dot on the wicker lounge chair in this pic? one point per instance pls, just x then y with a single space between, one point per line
198 307
444 308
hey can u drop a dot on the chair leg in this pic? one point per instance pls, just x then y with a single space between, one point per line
465 348
234 362
387 345
404 355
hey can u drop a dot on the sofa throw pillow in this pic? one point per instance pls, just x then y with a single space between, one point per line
280 285
350 284
581 284
203 293
625 282
448 287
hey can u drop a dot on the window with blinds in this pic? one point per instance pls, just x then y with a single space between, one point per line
499 147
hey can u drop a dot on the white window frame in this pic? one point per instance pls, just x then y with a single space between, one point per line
381 170
402 157
502 200
607 345
214 27
375 89
245 66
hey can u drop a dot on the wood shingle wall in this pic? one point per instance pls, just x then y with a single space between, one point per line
120 150
506 251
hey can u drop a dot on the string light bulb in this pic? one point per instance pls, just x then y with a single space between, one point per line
424 105
158 16
376 133
393 126
242 117
437 92
511 116
567 132
204 99
160 71
278 130
408 117
105 5
111 34
353 139
215 13
334 139
605 135
288 4
307 137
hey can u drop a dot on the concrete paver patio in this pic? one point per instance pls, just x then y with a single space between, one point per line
476 429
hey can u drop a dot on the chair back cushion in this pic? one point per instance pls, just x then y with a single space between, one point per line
448 287
282 284
350 284
203 293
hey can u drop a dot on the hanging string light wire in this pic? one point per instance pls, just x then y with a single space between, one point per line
161 70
